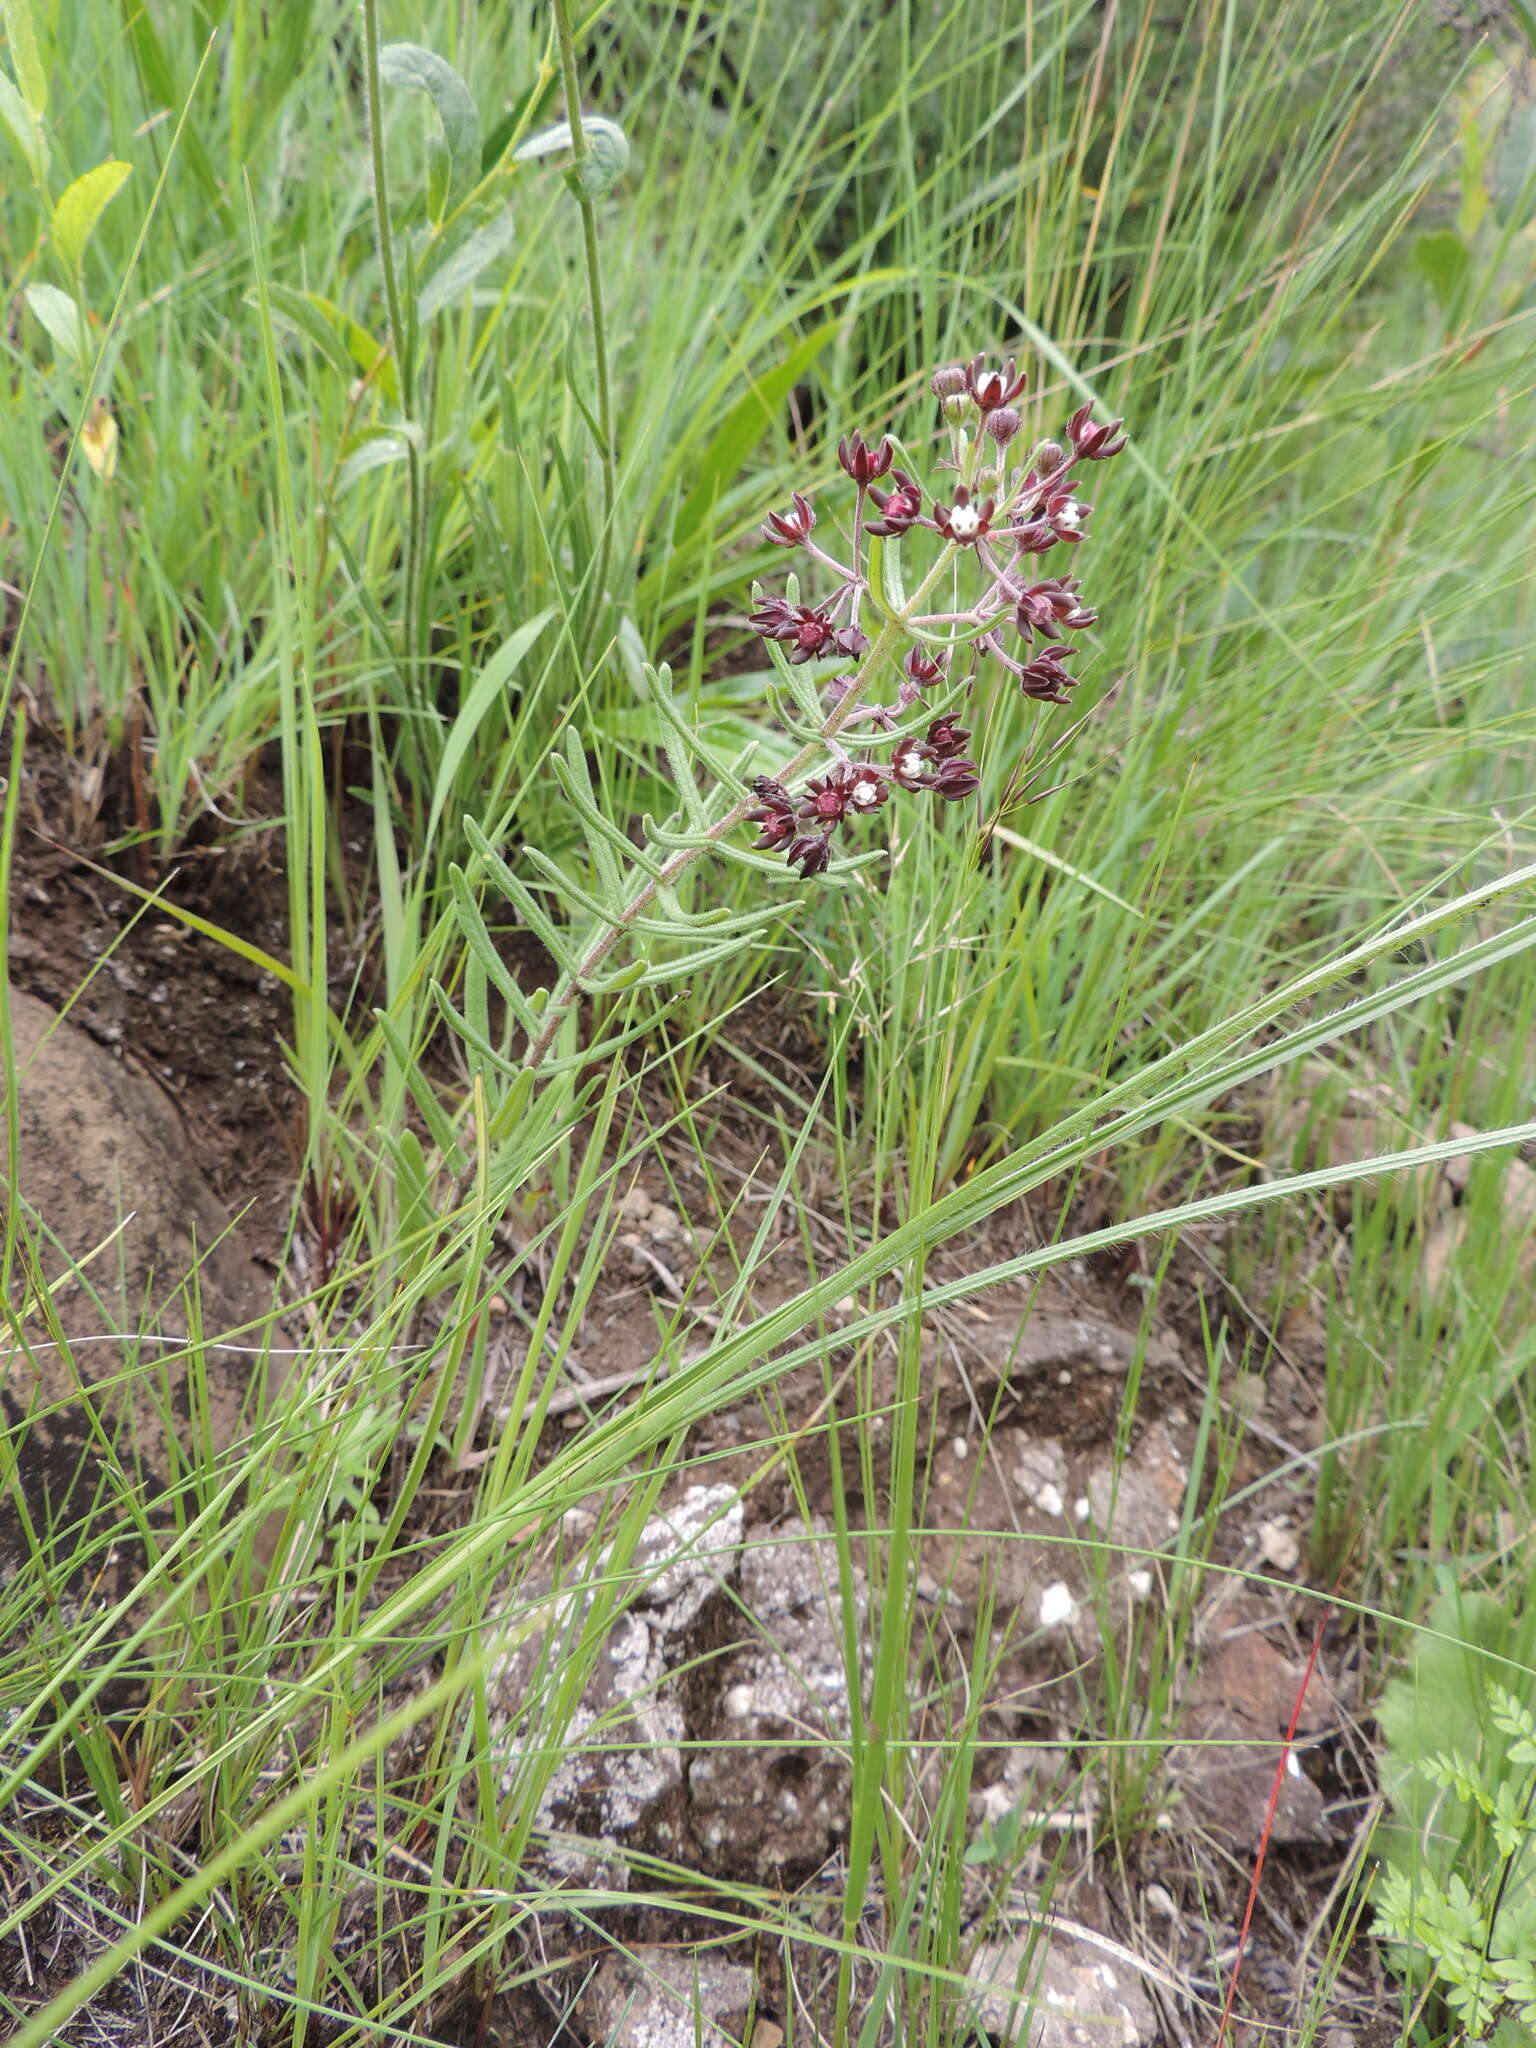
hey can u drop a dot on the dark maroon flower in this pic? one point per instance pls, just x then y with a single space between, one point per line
863 464
1063 513
992 388
1093 442
900 508
926 669
1050 608
850 640
1037 538
811 854
964 521
804 630
946 738
910 765
789 529
856 786
1045 678
955 779
775 814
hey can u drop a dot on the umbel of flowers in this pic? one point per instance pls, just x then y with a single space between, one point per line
1001 513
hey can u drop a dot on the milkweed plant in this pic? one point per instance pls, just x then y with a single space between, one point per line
871 680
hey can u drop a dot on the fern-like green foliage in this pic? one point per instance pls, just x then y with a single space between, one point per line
1456 1895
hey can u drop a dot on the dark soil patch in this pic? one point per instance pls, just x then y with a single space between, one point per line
204 1023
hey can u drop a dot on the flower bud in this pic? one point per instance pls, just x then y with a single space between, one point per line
1047 458
1003 424
948 382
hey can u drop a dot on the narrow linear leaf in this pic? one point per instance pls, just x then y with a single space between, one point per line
82 205
478 939
162 89
743 427
489 687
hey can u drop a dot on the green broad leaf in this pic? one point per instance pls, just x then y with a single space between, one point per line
65 323
449 276
606 160
1445 260
25 129
743 427
82 205
409 65
26 62
489 687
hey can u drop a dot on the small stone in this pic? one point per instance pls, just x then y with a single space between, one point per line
1158 1899
1140 1583
662 1224
1057 1605
1278 1547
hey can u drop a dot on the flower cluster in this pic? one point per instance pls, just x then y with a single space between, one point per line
1001 514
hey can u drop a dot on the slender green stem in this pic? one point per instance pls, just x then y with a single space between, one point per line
384 235
882 650
580 151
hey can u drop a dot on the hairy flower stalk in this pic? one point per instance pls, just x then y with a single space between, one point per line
996 517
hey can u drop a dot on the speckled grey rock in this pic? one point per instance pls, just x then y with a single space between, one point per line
620 1780
668 1998
771 1796
1057 1992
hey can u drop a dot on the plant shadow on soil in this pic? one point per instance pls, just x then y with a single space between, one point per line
1024 1485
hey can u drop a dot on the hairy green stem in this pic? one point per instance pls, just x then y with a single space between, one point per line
568 988
580 151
